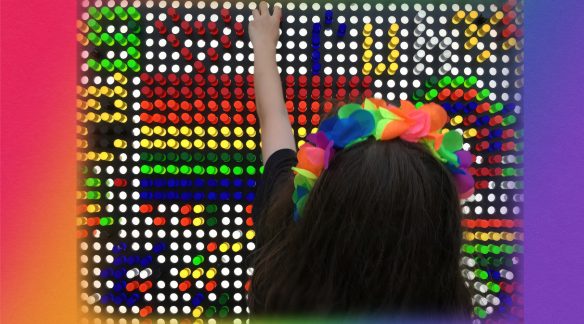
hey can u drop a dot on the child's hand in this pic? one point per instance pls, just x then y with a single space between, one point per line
264 30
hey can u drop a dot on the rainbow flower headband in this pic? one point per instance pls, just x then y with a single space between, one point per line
355 123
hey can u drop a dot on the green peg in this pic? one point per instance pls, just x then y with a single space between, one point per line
94 65
212 170
133 52
509 172
419 93
518 248
106 221
133 27
198 260
483 249
95 13
483 94
107 64
172 169
238 170
106 38
494 249
185 156
120 39
224 298
159 169
472 80
250 157
481 274
145 156
108 13
133 12
212 221
197 169
146 169
225 157
493 287
92 182
94 39
93 195
133 65
496 107
210 209
120 12
509 120
94 25
225 170
480 313
262 169
210 311
507 249
171 156
134 40
469 249
457 81
224 311
250 170
418 104
431 82
445 81
212 157
431 94
184 169
120 65
199 157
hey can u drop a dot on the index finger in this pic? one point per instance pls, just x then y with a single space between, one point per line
277 12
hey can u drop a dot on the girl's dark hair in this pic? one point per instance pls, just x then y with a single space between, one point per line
380 233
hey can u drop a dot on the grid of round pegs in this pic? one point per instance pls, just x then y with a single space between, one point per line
169 143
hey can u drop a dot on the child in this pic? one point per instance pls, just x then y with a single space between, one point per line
365 218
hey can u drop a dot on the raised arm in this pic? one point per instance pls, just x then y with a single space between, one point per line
276 132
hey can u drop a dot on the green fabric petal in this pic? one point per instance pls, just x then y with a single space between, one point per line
452 141
379 127
448 156
305 173
369 105
346 110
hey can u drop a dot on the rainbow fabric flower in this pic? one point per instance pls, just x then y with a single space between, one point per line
355 123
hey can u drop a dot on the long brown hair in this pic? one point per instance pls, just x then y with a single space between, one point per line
380 233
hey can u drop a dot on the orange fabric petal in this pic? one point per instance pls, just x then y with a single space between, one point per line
407 106
438 116
311 158
394 129
437 138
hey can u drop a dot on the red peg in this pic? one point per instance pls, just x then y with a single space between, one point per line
289 93
212 27
341 94
289 81
341 81
186 27
251 93
328 81
160 26
226 80
366 81
186 106
507 32
238 106
238 92
302 93
158 118
199 105
186 79
186 53
199 118
213 81
160 105
225 15
185 117
225 41
200 93
173 118
212 93
173 14
158 77
226 106
315 107
199 27
291 119
173 79
327 94
250 106
457 94
496 120
186 92
289 106
470 94
225 93
509 17
212 53
315 94
146 118
315 120
238 119
146 105
302 119
171 91
302 81
238 29
469 120
200 80
199 66
146 78
171 38
160 92
251 119
249 79
367 94
212 118
354 81
354 94
212 105
444 94
225 119
315 81
302 106
147 91
238 80
484 107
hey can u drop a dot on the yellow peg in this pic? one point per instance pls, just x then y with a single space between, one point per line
120 104
81 104
106 156
471 17
238 131
367 68
367 29
120 91
250 144
199 131
212 144
238 144
510 43
94 104
393 42
212 131
496 17
184 130
367 55
108 92
458 17
392 68
159 131
380 68
109 118
93 91
393 29
146 143
120 78
472 42
119 117
120 143
92 117
173 131
146 130
456 120
186 144
199 144
484 30
393 55
160 144
250 131
471 29
172 143
483 56
225 144
367 42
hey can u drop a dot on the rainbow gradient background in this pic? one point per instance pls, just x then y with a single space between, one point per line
38 267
